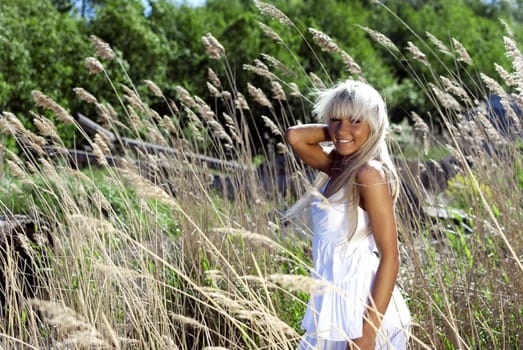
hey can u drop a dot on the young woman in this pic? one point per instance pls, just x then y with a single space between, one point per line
355 244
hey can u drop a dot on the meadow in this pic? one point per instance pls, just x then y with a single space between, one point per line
156 250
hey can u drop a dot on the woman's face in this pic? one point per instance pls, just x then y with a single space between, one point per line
348 135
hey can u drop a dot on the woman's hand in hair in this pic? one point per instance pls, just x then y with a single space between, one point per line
305 141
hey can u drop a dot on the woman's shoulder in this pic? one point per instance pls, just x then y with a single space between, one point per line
372 172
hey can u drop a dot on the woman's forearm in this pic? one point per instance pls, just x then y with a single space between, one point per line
310 134
381 293
305 141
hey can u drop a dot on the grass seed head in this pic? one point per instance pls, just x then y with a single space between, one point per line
167 121
278 92
272 11
213 78
352 66
241 102
271 125
316 81
270 32
154 88
447 100
213 90
259 95
381 39
16 169
260 69
505 76
134 99
71 327
295 90
275 63
104 114
417 54
439 44
493 85
48 103
456 89
84 95
507 27
463 55
102 48
185 97
213 47
45 127
93 65
324 41
185 320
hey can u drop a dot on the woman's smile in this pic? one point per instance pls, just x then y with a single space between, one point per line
343 140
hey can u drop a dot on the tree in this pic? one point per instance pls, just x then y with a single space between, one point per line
165 45
63 6
40 49
123 25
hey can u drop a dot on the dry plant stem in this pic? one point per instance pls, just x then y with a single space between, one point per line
449 317
181 274
2 151
264 285
118 96
229 73
18 341
419 342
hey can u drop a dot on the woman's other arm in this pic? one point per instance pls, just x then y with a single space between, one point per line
379 204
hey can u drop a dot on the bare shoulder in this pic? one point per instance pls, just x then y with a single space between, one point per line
371 173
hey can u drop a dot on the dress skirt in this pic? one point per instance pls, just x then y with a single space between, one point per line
335 314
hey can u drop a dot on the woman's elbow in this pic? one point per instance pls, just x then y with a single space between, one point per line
290 135
392 258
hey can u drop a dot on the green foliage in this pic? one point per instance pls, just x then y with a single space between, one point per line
448 21
63 6
164 45
40 49
123 25
44 195
462 192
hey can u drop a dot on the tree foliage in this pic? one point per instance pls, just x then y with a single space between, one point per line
44 43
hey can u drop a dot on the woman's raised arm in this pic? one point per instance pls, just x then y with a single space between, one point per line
305 140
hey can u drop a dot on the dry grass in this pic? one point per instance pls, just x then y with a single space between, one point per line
167 261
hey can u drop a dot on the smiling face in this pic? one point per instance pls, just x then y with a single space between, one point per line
348 134
357 118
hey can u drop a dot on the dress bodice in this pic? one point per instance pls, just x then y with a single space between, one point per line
330 219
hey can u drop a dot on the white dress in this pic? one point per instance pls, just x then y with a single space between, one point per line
335 315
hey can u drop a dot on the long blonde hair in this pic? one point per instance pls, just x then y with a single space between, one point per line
358 101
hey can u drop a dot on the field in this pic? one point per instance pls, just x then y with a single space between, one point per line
163 250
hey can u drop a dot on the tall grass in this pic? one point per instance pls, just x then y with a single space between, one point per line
151 254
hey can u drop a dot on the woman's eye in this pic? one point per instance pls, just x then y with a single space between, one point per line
355 121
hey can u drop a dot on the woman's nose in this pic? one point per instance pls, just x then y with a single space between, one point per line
344 125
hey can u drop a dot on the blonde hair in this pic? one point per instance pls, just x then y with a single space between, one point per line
358 101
